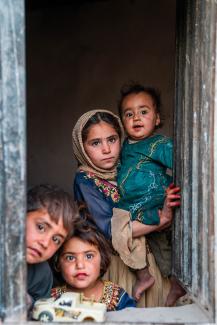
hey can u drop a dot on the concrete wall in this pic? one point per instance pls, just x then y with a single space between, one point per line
78 57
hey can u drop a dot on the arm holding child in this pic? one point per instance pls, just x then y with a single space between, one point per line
172 200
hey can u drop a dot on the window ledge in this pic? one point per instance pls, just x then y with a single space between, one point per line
182 314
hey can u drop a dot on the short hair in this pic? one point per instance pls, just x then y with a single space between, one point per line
57 202
136 88
101 117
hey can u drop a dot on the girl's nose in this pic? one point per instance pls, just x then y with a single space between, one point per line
106 148
80 263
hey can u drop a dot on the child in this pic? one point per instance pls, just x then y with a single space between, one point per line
96 139
82 261
50 217
142 178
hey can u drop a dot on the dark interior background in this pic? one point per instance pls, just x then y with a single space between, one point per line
79 54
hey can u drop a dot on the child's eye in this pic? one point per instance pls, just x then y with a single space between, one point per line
128 114
41 227
70 258
143 112
57 240
113 139
95 143
89 256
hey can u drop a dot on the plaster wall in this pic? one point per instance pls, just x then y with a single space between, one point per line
78 57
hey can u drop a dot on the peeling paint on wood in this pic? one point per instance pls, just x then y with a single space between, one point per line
12 161
194 235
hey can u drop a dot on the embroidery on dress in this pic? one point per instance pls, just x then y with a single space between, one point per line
56 292
104 186
110 295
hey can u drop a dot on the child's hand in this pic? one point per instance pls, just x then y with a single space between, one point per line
172 196
172 200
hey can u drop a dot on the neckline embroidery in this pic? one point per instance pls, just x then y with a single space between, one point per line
110 295
107 188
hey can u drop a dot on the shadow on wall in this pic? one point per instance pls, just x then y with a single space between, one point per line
79 54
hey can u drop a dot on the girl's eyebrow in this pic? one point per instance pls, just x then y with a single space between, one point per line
74 253
98 139
94 139
112 135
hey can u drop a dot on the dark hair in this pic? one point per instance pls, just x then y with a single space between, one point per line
96 119
134 88
57 202
88 232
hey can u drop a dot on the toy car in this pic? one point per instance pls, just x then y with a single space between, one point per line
68 307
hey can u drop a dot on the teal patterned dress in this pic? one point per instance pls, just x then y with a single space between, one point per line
142 177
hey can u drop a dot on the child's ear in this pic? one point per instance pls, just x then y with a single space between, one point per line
157 120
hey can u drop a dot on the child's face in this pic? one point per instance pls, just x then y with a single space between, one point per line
79 264
103 145
43 236
139 116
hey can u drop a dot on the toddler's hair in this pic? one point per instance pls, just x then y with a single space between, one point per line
57 202
135 88
86 231
89 233
96 119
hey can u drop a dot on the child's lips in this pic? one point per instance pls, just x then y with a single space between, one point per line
108 158
34 251
137 126
81 276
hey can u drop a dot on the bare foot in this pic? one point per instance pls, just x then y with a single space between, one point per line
144 280
176 291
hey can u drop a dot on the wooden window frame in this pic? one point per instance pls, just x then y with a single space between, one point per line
12 162
194 235
195 155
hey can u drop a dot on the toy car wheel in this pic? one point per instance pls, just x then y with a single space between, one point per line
45 316
89 319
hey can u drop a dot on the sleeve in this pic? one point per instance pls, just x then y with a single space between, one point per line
125 301
99 208
164 152
40 281
150 215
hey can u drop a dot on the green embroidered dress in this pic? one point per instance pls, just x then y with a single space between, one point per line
142 177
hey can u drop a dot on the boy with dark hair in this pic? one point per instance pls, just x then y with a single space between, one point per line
51 214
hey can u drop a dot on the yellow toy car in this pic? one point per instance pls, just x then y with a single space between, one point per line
68 307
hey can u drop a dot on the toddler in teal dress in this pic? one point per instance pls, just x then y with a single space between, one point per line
143 178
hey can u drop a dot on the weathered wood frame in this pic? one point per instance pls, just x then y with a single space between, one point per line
12 161
194 229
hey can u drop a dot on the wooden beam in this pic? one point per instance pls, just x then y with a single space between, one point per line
12 162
